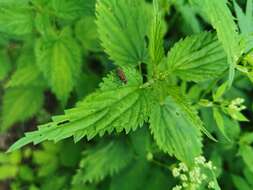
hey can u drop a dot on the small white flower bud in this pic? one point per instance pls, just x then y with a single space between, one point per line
203 177
176 172
200 160
183 167
211 185
209 165
183 177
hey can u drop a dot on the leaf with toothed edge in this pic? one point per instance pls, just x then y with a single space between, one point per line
115 106
189 111
174 131
221 18
197 58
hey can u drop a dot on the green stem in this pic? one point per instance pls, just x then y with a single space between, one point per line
160 164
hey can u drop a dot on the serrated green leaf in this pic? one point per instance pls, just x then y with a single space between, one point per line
16 18
190 111
59 59
221 19
197 58
106 159
174 131
122 26
116 106
19 104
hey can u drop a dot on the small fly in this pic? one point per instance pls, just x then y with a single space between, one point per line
121 75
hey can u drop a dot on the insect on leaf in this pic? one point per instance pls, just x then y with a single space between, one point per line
114 107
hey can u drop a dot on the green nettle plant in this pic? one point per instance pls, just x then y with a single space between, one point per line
173 110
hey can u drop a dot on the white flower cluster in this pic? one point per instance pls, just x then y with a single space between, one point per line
194 177
202 162
236 104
